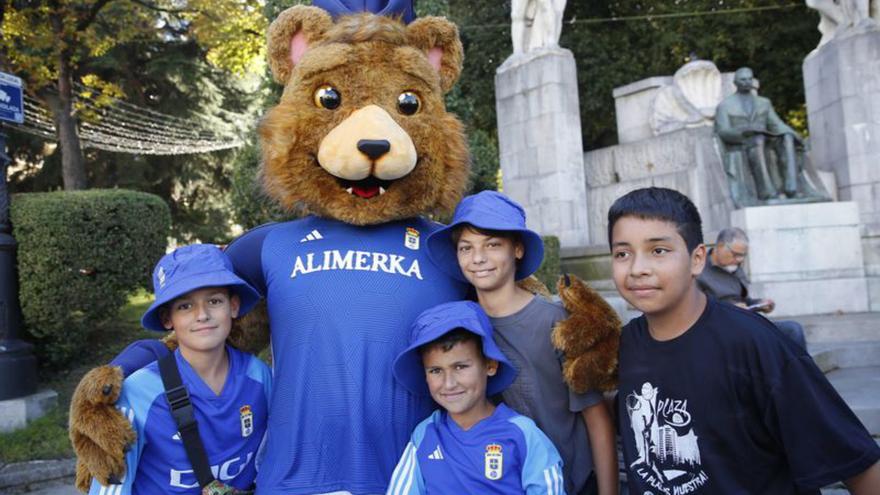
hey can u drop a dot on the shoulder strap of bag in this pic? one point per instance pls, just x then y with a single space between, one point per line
182 411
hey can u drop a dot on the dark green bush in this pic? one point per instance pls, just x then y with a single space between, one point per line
550 269
80 255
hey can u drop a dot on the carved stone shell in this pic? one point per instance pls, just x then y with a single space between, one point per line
691 99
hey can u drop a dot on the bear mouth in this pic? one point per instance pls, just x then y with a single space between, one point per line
365 188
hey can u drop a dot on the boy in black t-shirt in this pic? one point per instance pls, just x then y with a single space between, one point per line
713 399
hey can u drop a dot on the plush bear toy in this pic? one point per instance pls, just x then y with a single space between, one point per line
361 139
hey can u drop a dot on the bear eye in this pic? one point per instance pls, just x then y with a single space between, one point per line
408 103
327 97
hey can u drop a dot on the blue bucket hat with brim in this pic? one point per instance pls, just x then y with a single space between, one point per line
437 322
489 210
195 267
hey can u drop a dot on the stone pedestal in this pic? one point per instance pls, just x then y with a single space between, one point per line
16 413
842 81
806 257
539 137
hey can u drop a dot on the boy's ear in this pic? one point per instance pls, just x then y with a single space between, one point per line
698 260
438 38
165 318
234 304
291 35
519 250
491 367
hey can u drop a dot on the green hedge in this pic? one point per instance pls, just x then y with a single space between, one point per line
80 254
550 269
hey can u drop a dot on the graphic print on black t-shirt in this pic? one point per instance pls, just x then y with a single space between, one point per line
668 453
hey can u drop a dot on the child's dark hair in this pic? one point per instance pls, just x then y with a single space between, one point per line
512 236
448 340
659 203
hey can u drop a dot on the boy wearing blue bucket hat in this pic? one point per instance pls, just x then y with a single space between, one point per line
199 414
488 245
469 445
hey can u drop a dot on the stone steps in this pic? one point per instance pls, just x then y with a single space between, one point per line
845 327
860 388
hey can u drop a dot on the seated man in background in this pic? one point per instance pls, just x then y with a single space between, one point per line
724 279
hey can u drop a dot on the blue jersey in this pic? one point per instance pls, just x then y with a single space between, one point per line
231 426
503 454
341 299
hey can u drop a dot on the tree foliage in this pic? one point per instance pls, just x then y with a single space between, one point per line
53 44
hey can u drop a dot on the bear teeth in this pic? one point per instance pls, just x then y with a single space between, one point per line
381 191
350 190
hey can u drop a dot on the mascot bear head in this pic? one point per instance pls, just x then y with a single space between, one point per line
361 133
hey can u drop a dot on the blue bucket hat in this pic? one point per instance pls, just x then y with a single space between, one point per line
437 322
194 267
389 8
489 210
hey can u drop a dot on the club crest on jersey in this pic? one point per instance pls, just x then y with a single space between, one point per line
494 462
247 420
411 240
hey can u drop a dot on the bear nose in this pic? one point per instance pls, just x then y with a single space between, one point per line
373 148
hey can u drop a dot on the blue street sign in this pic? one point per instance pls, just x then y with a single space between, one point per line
11 104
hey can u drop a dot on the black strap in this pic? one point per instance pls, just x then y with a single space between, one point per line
182 411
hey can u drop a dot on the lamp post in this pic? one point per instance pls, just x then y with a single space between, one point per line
18 366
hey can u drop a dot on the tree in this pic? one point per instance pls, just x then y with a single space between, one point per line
51 45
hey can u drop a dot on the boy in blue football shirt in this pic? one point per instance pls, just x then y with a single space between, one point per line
488 245
712 398
469 445
197 296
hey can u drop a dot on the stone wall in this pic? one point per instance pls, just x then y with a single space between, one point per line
685 160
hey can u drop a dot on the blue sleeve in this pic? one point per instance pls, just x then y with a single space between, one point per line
260 372
407 477
542 466
246 255
136 411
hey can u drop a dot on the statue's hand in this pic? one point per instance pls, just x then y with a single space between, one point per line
99 433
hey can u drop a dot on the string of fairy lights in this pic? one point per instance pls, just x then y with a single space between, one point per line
118 126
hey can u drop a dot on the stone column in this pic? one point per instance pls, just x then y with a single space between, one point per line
842 80
539 138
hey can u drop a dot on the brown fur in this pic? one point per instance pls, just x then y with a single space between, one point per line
588 338
98 433
369 60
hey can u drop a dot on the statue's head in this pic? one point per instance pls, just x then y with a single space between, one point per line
744 80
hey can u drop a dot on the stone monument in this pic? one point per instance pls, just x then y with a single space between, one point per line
539 128
763 157
535 24
842 81
808 257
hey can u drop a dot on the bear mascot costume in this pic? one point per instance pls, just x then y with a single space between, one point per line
362 141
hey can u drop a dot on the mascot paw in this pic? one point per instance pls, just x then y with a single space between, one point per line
99 433
588 338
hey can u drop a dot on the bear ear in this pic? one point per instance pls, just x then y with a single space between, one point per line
438 38
291 34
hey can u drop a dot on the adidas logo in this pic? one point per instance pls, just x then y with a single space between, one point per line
313 236
436 455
